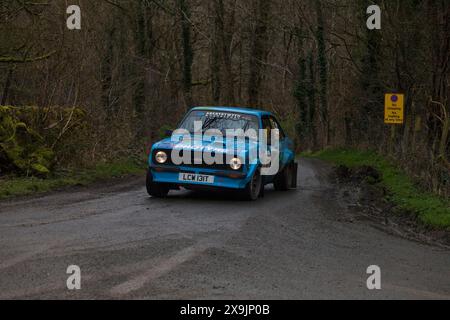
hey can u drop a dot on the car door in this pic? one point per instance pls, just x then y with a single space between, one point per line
286 144
269 123
267 126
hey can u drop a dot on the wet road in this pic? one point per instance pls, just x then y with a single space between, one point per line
302 244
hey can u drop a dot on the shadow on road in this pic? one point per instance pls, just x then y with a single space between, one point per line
220 196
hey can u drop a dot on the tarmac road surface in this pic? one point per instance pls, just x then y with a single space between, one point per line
302 244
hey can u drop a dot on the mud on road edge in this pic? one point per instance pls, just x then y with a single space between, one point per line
124 182
366 199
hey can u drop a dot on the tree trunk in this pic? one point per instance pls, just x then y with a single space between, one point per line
225 35
323 73
7 86
258 48
188 54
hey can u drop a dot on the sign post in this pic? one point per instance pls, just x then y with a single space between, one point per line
394 114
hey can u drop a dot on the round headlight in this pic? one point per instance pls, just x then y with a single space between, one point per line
161 157
235 163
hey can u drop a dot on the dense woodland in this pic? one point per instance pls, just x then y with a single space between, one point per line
135 67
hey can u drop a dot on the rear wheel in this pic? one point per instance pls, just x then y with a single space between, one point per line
155 189
283 180
254 187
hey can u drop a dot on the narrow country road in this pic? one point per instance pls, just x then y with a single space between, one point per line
301 244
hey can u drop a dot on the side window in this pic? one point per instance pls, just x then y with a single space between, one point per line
267 125
275 125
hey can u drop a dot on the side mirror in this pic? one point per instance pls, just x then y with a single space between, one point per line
169 133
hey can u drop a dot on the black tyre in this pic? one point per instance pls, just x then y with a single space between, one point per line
154 189
253 189
283 180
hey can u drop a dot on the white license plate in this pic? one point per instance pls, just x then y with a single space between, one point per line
192 177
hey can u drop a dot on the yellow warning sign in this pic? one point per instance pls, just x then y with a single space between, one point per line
394 108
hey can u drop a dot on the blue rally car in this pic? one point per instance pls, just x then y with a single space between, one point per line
184 160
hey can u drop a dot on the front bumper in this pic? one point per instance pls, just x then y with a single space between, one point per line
223 179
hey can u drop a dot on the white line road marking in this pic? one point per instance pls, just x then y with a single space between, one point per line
158 270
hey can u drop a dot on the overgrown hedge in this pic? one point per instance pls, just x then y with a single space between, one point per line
32 138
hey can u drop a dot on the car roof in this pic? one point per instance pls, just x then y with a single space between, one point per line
250 111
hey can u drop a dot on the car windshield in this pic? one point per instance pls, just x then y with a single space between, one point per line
212 120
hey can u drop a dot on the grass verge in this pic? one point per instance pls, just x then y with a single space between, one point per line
430 209
20 186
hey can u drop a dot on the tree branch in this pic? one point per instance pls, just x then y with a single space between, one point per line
25 60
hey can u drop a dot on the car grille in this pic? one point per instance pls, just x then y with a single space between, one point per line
221 167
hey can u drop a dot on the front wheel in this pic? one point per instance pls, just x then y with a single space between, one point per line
253 189
154 189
